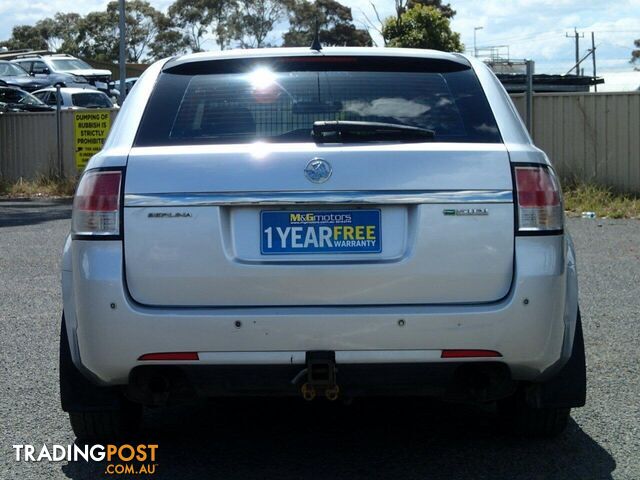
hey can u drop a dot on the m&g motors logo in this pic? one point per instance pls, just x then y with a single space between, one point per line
122 459
313 218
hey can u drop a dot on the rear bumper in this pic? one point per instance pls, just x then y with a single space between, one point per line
108 331
471 381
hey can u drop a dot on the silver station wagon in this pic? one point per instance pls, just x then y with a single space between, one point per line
327 224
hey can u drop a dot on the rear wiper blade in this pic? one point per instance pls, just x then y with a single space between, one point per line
341 131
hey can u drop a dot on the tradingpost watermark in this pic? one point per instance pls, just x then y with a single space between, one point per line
124 459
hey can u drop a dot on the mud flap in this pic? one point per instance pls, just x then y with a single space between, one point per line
77 392
568 388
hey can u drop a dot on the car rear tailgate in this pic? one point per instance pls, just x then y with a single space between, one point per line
193 231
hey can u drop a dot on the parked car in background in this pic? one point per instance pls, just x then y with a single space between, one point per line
13 99
13 75
129 83
343 223
73 98
65 70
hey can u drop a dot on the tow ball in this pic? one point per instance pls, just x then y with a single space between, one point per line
320 376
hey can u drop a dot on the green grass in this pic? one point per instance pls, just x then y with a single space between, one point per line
50 187
579 197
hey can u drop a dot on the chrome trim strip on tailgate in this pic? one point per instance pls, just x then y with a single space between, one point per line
298 357
412 197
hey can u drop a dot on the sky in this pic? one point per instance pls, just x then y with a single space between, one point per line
533 29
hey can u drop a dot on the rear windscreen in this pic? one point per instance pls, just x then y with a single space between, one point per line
259 101
91 100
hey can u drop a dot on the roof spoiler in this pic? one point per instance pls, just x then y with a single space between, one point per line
312 60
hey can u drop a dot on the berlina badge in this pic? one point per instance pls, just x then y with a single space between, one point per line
465 212
169 215
318 170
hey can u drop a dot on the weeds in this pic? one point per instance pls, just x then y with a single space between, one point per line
603 201
42 187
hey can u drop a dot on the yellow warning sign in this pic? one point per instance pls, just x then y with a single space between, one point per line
91 129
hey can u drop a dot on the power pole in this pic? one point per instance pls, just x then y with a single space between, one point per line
122 59
593 57
591 52
475 48
577 36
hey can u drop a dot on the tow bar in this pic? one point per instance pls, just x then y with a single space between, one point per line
321 376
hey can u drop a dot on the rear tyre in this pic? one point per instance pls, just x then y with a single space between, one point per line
542 410
106 424
95 413
527 421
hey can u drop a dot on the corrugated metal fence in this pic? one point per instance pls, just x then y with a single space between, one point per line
591 137
28 147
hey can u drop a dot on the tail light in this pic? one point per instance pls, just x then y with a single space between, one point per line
539 199
96 205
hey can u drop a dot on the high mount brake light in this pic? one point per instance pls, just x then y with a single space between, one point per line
96 205
539 200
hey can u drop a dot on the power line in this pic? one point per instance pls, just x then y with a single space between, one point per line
516 39
617 45
521 38
618 31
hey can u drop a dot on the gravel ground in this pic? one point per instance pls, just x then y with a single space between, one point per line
298 440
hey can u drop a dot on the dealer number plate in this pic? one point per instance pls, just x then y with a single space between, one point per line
314 231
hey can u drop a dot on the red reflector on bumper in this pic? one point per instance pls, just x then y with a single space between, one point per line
469 353
170 356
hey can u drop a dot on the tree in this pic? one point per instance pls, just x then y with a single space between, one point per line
401 6
191 18
635 54
145 26
142 25
25 37
168 42
335 25
46 28
61 32
254 20
198 17
53 34
150 34
444 9
422 27
98 36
